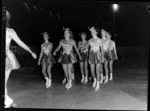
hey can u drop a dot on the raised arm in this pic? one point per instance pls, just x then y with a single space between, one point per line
15 37
41 54
57 49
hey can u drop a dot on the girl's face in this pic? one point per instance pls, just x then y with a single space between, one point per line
93 32
83 36
67 35
103 34
46 37
108 36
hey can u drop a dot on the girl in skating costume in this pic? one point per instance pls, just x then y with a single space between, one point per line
72 69
47 59
11 62
107 56
95 57
82 47
67 58
113 54
75 60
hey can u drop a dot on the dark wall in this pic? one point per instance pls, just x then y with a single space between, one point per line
132 20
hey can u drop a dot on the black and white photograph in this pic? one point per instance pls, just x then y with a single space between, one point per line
70 54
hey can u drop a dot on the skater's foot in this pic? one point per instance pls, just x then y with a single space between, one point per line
8 102
49 83
94 83
69 85
82 80
106 80
64 81
66 86
97 86
85 80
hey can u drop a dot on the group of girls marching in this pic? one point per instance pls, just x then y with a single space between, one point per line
95 51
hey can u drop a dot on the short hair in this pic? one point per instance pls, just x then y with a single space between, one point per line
71 34
94 28
108 34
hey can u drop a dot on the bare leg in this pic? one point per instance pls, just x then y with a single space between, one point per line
101 73
98 76
69 66
72 71
44 74
86 71
82 72
111 69
49 75
8 100
66 73
64 80
106 71
93 74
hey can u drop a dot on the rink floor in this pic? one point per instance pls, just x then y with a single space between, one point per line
128 90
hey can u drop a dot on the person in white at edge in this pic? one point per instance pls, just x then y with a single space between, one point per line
11 62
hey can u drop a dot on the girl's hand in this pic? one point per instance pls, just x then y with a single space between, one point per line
80 57
54 53
38 62
117 58
34 55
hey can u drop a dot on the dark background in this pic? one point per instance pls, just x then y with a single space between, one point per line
132 25
132 20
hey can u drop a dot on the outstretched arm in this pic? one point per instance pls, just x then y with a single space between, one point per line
41 54
15 37
57 49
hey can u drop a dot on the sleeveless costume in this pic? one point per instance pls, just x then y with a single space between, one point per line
106 50
10 60
83 51
67 55
112 51
47 59
95 55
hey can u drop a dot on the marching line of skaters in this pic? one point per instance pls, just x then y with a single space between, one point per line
95 52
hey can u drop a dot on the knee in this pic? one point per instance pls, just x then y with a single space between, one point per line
97 70
92 71
43 71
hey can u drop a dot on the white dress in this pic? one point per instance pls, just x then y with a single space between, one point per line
10 60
